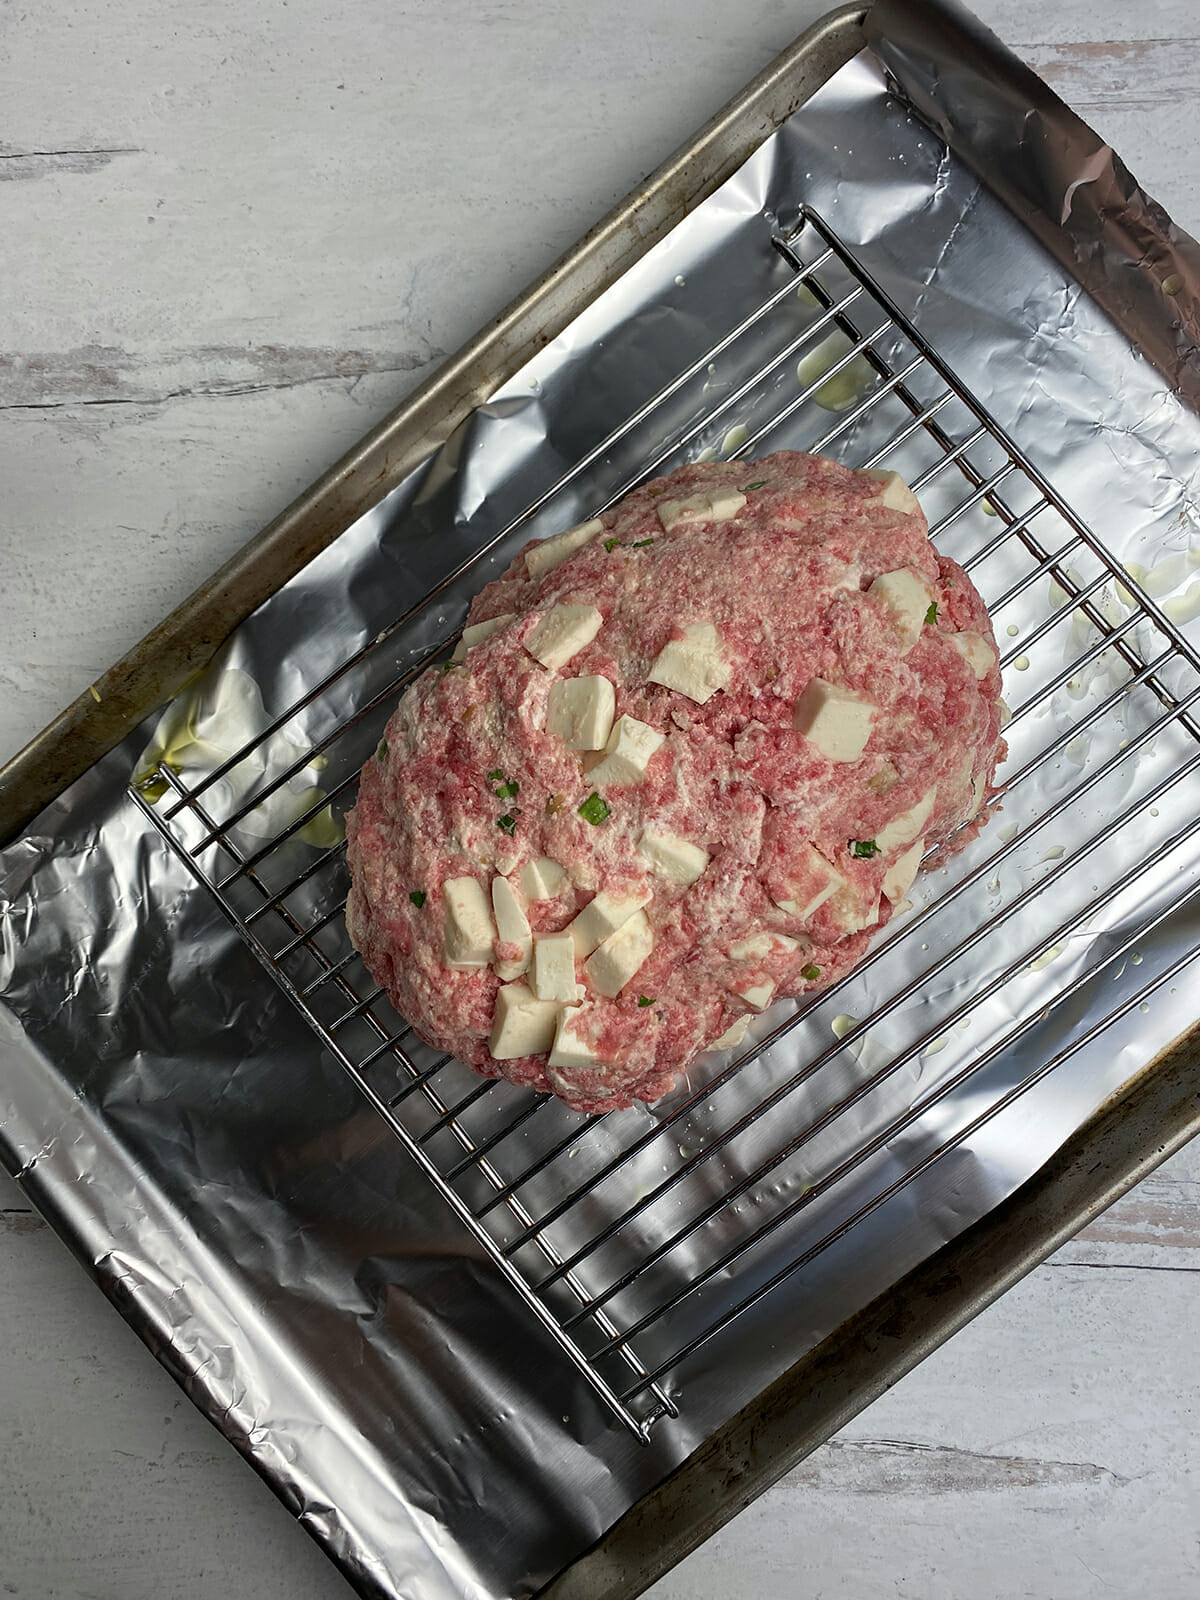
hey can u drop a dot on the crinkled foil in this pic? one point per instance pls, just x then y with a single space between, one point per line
166 1107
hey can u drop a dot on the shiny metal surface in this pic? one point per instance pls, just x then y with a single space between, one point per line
186 641
165 1102
1118 1147
504 1159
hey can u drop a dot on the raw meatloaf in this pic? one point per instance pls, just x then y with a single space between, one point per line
687 756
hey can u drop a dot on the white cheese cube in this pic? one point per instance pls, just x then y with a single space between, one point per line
834 719
896 492
570 1048
522 1025
757 995
812 886
552 552
477 633
898 878
561 633
580 711
512 927
906 597
603 916
693 665
716 505
733 1035
627 753
905 828
469 932
757 946
975 649
671 857
620 956
554 968
542 879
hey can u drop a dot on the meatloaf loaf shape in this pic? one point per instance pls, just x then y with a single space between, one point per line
688 756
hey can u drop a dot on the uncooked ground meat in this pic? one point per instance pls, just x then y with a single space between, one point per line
799 838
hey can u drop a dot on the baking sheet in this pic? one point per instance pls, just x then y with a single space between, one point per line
167 1109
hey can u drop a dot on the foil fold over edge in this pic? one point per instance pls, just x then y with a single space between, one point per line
1053 171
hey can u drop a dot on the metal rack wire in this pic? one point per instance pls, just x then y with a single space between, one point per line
636 1238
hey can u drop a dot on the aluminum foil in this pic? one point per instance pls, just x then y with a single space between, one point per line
168 1110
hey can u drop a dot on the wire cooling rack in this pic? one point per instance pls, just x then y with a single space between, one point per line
637 1237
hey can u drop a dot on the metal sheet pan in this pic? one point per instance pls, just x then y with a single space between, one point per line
187 640
346 1528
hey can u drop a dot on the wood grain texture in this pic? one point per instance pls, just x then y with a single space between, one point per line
238 236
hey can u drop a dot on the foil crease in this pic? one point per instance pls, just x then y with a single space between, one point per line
168 1110
1071 189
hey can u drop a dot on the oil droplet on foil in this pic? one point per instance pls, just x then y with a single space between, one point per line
1013 630
806 297
841 1025
734 439
1136 959
988 508
1184 607
1166 574
994 886
1172 284
1021 664
1055 853
1007 833
207 725
1046 957
680 280
707 454
1144 1006
846 387
936 1046
324 830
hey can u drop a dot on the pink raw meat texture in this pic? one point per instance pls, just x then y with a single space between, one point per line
826 731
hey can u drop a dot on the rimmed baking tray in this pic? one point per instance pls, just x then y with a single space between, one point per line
1154 1113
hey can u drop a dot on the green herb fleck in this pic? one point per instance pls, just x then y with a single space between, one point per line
444 666
508 822
612 544
594 809
931 615
495 776
381 753
646 1000
758 485
810 974
507 790
640 544
864 849
417 896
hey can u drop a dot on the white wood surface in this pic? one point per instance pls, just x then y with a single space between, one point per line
232 236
